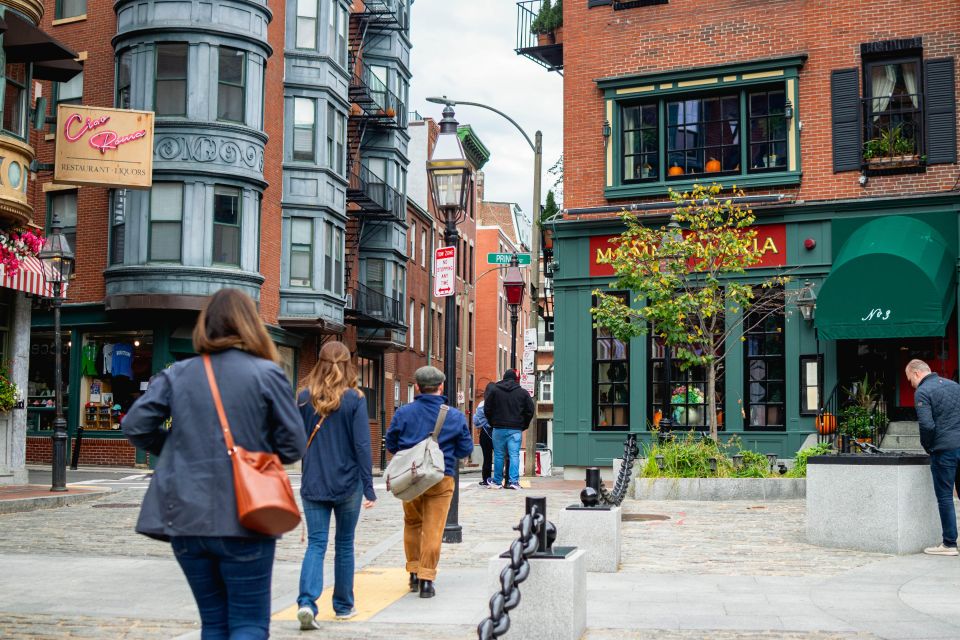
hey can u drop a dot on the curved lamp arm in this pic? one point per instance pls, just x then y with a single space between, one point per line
453 103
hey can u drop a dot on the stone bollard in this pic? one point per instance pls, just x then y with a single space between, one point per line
593 528
553 598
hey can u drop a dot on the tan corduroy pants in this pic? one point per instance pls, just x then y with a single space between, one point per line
423 520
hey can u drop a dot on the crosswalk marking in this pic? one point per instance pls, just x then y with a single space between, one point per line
375 589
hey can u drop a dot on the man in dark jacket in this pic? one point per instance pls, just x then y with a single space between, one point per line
508 408
938 411
424 517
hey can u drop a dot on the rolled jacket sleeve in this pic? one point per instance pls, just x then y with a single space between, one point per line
361 447
285 422
143 424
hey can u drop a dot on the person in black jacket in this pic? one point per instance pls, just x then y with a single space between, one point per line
191 500
508 408
937 401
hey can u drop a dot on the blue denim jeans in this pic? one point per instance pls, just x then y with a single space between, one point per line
346 512
230 580
943 468
506 440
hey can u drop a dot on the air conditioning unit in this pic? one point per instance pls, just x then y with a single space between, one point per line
349 304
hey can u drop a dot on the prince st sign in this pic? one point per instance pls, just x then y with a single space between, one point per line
104 147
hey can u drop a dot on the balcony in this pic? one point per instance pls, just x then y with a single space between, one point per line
375 103
544 49
382 15
376 199
371 309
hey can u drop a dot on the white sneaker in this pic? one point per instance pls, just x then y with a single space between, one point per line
941 550
493 485
307 619
347 615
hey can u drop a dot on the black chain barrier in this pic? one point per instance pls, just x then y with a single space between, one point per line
630 453
533 528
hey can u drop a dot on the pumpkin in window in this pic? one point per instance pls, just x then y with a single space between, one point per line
675 170
713 165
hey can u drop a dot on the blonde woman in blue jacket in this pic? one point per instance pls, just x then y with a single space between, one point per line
337 477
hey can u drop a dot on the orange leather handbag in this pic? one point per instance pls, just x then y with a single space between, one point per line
265 501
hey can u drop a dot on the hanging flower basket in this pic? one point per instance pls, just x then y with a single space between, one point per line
16 246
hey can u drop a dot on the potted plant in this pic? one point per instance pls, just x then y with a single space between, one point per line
9 392
890 149
542 25
558 22
856 423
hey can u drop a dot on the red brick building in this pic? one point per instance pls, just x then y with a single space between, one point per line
838 121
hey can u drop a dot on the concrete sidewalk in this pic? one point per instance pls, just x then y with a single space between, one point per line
19 498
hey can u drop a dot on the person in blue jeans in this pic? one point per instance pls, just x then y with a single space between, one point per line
937 401
508 409
336 479
191 500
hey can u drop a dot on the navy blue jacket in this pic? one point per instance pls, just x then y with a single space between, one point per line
339 461
938 411
191 493
413 423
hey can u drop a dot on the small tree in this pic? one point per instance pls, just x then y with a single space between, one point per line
550 208
682 272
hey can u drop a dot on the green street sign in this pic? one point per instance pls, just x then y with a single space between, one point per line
505 258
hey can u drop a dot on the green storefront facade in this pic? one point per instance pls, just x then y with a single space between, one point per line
885 275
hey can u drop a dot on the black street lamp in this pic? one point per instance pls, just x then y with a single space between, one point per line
57 258
513 286
450 173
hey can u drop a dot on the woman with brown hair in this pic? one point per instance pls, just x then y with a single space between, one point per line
336 477
191 500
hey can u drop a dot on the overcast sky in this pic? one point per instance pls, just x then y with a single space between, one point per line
465 50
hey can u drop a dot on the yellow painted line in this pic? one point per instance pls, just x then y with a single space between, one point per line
374 590
525 484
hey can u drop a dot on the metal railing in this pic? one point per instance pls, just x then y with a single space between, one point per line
375 197
830 418
376 304
544 51
378 103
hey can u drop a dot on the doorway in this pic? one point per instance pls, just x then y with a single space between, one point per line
883 362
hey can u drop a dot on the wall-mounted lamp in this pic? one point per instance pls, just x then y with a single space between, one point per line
807 301
606 132
788 110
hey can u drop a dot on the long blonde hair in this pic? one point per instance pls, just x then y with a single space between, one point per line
330 378
230 319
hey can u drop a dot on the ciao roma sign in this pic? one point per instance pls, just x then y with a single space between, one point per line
771 241
104 147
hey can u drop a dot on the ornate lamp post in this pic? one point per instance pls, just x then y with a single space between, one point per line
57 258
513 286
450 179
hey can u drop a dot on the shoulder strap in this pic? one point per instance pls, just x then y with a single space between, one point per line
441 417
315 430
218 403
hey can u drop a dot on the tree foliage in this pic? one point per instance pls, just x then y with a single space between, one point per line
680 276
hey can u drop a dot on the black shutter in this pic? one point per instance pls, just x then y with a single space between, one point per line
845 100
939 91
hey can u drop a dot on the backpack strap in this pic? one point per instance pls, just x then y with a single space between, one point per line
441 417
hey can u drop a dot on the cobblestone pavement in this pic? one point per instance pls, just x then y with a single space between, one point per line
713 540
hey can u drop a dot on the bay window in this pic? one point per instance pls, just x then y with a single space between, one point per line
231 84
301 252
226 225
15 100
304 129
306 36
171 80
166 221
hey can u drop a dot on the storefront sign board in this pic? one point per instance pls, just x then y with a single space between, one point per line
104 147
771 242
445 272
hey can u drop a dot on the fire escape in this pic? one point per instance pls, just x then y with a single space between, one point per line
370 199
542 43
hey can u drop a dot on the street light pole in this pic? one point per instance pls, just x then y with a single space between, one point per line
452 531
57 259
537 147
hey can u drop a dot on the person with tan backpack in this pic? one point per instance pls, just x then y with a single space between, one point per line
425 515
337 477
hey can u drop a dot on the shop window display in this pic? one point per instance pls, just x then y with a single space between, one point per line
115 369
40 384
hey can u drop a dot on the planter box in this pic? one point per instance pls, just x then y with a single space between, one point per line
882 503
719 489
893 162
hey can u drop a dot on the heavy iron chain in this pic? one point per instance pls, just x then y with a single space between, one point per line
518 569
630 453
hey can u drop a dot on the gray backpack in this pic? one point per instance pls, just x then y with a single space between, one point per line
412 471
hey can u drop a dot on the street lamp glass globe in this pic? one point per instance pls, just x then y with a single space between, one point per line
448 167
513 286
56 254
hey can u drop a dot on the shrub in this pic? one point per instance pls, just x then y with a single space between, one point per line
688 456
800 460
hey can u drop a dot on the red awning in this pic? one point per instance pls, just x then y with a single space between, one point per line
30 278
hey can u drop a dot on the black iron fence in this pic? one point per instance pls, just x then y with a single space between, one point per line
843 421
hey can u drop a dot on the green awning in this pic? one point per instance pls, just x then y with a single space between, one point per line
895 277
